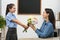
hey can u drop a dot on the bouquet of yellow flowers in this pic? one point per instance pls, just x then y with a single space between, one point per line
31 21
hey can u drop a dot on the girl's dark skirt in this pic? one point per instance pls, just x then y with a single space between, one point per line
11 34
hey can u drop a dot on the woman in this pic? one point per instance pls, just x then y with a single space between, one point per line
48 26
11 22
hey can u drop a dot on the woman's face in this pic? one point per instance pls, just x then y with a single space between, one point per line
45 15
13 9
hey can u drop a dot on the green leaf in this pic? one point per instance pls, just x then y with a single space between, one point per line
2 22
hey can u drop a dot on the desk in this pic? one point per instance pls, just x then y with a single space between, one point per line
54 38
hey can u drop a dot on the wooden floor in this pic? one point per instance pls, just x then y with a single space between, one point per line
55 38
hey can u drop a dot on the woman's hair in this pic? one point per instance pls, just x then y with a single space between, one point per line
9 6
51 16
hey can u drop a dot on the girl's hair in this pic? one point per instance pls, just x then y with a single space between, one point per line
9 6
51 16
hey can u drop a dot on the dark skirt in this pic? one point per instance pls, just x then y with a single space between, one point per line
11 34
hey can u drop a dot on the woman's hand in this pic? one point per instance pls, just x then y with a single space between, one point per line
32 26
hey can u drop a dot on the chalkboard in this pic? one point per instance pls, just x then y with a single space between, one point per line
29 6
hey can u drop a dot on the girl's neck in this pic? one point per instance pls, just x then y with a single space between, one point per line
11 12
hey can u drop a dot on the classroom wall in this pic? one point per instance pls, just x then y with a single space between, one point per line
54 4
0 7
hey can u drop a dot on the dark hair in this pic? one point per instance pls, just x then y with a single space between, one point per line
9 6
51 16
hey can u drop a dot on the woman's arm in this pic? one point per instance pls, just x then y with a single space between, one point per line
45 33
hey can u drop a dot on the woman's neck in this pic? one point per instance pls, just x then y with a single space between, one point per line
47 19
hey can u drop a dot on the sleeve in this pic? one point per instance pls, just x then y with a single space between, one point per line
10 17
42 26
45 33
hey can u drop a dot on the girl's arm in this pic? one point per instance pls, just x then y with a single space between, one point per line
13 19
18 22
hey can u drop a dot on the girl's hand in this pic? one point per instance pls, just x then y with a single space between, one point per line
21 24
25 26
32 26
25 30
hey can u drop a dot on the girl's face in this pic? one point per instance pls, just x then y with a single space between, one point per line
13 9
45 15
